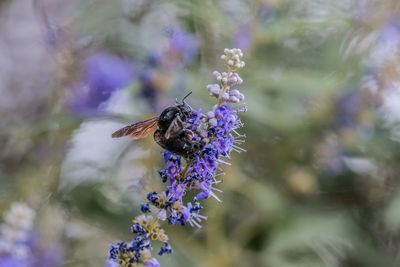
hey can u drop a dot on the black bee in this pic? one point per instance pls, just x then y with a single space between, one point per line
170 130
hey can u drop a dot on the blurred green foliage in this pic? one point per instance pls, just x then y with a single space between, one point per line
318 185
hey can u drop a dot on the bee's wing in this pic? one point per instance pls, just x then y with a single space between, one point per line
138 130
175 128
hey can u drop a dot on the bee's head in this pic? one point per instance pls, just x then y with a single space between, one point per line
184 107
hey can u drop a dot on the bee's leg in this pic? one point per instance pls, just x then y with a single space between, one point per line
188 134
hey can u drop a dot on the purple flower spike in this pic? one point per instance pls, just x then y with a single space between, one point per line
216 137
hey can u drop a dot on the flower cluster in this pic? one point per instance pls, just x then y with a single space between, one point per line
15 230
217 131
223 91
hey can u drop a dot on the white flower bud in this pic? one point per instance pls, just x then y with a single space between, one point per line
224 80
214 89
236 57
234 99
234 92
206 140
240 81
233 80
213 122
241 97
230 62
203 133
216 73
224 96
210 114
162 215
226 50
224 57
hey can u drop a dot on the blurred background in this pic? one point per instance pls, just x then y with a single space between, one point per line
318 186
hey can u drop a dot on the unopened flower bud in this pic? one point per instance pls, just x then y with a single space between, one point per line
224 96
234 99
210 114
234 92
203 133
233 80
213 122
214 89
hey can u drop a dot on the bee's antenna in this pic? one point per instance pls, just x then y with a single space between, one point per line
183 100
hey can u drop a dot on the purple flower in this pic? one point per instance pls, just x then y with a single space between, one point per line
152 263
177 191
112 264
166 249
217 135
104 73
267 12
349 105
173 169
227 118
167 156
184 44
8 261
243 38
391 32
49 257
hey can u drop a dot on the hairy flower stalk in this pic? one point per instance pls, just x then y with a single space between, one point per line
217 129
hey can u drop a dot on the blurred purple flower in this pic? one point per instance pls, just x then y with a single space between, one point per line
391 32
348 104
152 263
104 74
243 38
184 44
8 261
267 12
51 257
112 264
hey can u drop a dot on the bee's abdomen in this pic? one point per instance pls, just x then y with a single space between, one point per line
180 146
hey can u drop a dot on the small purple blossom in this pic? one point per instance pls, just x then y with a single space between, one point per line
112 264
166 249
145 208
177 191
173 169
152 263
